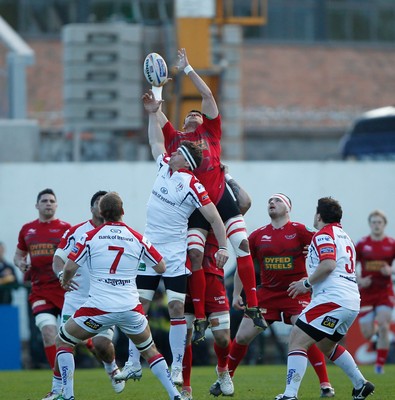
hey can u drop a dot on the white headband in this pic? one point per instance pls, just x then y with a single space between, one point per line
284 199
188 156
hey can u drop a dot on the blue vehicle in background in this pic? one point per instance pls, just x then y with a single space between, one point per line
371 137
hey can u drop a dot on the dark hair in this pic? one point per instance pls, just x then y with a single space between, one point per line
329 210
111 207
100 193
194 111
195 151
45 191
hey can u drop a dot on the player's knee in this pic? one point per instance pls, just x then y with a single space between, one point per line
196 258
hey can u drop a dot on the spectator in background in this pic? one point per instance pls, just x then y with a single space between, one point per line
38 240
376 254
8 279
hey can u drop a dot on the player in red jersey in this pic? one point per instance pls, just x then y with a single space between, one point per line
38 240
204 128
216 308
278 249
376 254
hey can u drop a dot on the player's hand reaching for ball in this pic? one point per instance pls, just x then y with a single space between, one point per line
151 105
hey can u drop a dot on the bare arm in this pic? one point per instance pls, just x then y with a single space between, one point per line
20 260
237 301
155 117
160 268
209 105
69 270
211 214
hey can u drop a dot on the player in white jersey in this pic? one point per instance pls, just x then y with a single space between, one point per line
73 299
112 253
334 305
175 195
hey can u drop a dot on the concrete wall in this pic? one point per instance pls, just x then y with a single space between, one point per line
360 187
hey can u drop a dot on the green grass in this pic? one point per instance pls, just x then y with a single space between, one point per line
251 383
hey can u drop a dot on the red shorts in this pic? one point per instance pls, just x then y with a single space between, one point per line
278 306
45 298
372 297
216 299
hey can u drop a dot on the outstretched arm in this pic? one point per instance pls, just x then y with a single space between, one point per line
156 120
209 106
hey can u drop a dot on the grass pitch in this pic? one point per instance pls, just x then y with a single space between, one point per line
251 383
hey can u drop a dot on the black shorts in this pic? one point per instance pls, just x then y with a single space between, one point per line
227 208
151 282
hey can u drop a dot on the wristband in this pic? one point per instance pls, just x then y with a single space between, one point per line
306 283
228 177
188 69
222 248
60 274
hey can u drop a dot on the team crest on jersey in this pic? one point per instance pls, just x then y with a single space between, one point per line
290 237
113 230
179 187
90 323
164 190
329 322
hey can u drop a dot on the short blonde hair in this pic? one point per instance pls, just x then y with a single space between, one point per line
378 213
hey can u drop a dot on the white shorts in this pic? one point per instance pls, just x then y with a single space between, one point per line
175 256
130 322
70 306
328 317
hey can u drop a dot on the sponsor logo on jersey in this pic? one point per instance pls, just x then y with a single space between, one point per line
278 263
367 247
199 187
142 267
116 237
54 230
164 190
42 249
342 236
160 197
265 237
90 323
374 265
113 230
290 237
31 231
327 250
323 239
115 282
329 322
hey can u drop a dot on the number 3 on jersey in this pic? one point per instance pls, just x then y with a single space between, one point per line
350 268
115 263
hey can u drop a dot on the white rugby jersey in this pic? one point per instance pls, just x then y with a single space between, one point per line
67 243
174 196
340 287
112 253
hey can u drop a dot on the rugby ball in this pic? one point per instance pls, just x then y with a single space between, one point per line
155 69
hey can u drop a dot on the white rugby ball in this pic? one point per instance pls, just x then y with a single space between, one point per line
155 69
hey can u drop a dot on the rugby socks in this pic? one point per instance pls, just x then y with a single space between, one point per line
236 354
177 338
160 369
245 269
382 355
222 357
343 359
50 353
187 366
296 368
197 291
317 360
66 367
134 355
110 367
